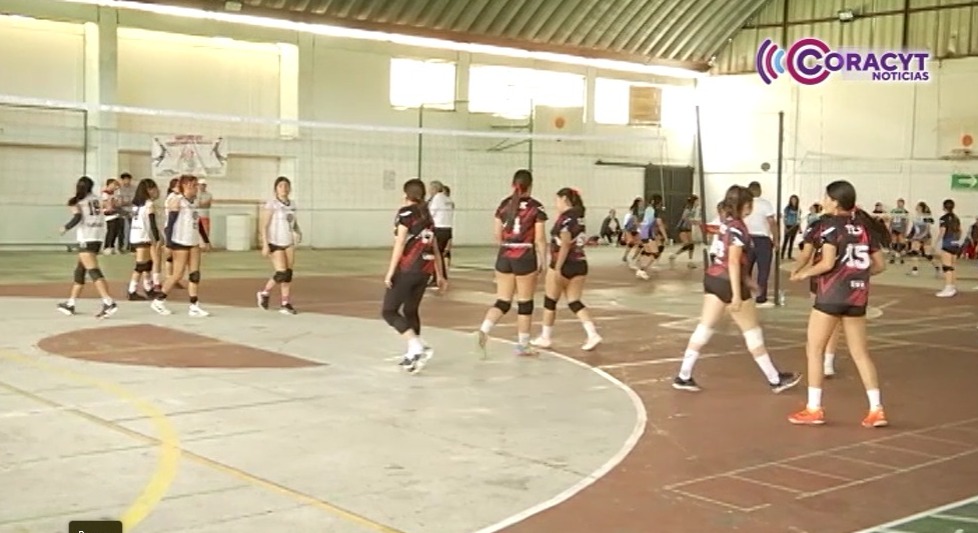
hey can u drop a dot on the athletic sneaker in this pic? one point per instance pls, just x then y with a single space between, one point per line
641 274
287 309
828 372
481 339
947 292
107 310
685 384
196 311
808 417
525 350
262 298
592 343
875 419
160 307
786 380
541 342
136 297
66 309
414 363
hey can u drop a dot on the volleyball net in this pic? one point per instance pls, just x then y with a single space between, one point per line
347 178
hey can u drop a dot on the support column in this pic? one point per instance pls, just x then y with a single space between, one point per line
462 64
591 74
101 88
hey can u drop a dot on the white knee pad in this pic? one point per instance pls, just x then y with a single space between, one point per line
701 335
754 338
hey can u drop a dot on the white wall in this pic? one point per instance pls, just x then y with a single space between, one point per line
888 139
175 64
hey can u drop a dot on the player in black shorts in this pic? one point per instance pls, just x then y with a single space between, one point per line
811 253
568 269
521 235
950 236
851 251
414 259
727 286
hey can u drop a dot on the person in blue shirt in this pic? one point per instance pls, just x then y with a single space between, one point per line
792 224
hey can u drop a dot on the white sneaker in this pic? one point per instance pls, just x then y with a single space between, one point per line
641 274
160 307
196 311
947 292
766 305
541 342
828 371
592 343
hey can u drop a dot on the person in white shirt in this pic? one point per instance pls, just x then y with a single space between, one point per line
114 225
88 221
279 233
442 210
203 202
763 226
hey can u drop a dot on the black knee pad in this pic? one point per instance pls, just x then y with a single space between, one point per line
169 259
947 268
194 277
150 265
503 306
913 253
279 276
144 266
928 257
656 255
549 303
524 308
288 275
644 253
96 274
79 274
576 306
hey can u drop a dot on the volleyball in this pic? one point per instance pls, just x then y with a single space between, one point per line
559 123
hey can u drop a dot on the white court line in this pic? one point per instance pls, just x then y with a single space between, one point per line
889 526
673 360
766 484
814 473
956 518
720 503
865 462
903 450
641 419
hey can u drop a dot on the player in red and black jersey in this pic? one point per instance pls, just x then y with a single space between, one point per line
414 259
851 252
811 253
951 240
522 242
568 269
727 286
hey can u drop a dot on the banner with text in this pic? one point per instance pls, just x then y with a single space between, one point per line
173 155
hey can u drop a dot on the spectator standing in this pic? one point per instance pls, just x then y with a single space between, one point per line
204 199
110 210
124 198
442 210
792 224
763 226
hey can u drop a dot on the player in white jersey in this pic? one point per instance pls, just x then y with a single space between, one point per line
88 221
184 238
279 234
172 191
144 234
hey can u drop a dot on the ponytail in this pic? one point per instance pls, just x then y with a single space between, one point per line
514 205
876 227
83 187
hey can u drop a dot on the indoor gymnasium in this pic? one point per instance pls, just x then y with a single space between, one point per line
521 266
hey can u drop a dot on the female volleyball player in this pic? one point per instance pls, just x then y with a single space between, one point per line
568 269
652 231
727 286
88 220
630 225
144 234
689 220
811 253
898 218
414 258
851 252
185 237
920 239
519 230
949 235
279 234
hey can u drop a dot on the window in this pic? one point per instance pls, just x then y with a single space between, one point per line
624 102
512 92
416 82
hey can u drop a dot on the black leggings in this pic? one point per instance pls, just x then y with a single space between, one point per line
402 301
113 233
788 244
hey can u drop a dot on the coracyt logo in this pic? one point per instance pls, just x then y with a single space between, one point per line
810 61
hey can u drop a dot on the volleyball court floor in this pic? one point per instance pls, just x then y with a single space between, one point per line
250 420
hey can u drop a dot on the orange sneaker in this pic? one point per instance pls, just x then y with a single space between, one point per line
808 417
875 419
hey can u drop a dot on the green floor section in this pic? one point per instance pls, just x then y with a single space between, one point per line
962 519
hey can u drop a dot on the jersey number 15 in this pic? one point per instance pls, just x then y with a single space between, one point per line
857 257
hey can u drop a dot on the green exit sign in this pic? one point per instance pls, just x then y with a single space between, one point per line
964 181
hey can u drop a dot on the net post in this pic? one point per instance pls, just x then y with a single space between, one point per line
777 209
529 143
85 148
702 180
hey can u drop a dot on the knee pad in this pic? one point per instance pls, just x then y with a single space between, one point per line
524 308
96 274
913 253
169 259
656 255
150 265
288 275
644 253
928 257
503 306
754 338
701 335
279 276
143 266
576 306
79 275
549 303
194 277
947 268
